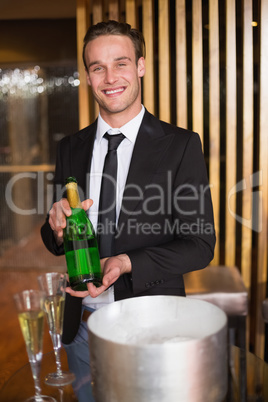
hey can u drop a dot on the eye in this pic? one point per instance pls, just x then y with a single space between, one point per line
97 69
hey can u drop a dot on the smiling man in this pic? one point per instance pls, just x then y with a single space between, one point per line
163 224
114 76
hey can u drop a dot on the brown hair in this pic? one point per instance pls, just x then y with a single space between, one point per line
116 28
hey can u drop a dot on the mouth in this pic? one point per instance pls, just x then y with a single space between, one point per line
113 91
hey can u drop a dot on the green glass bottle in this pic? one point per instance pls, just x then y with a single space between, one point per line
80 243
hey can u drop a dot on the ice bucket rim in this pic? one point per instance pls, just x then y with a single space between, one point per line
92 332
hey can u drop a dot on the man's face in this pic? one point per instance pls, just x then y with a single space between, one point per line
114 76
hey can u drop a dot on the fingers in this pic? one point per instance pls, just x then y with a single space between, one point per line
86 204
76 293
117 265
92 291
57 216
58 213
112 268
103 262
111 276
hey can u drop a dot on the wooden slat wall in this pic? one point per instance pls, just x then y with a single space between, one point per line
148 80
229 162
263 185
113 10
97 12
82 22
214 117
197 67
247 142
131 14
164 60
181 65
231 128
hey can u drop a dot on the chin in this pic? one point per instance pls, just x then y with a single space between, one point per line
115 109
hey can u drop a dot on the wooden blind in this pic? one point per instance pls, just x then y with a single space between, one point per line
148 80
131 14
214 117
247 141
82 23
113 10
263 181
197 67
97 12
232 129
181 64
164 60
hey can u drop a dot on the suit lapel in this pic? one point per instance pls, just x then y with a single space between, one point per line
150 147
81 155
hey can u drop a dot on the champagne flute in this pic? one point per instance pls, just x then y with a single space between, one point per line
29 304
53 284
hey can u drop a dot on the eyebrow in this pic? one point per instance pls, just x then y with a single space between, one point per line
116 59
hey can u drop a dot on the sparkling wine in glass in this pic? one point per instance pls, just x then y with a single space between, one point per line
30 308
53 284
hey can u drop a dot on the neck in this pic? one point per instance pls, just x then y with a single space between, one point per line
119 119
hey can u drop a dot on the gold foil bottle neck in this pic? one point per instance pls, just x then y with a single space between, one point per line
73 196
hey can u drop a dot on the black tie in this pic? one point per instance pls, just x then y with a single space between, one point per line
107 203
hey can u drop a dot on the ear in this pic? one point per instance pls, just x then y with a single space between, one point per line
141 67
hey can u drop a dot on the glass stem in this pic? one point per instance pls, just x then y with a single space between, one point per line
56 340
35 366
58 362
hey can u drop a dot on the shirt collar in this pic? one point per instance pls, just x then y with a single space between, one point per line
130 129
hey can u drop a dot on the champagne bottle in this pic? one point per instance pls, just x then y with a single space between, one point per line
80 243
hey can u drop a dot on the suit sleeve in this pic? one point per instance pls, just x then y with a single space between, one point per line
193 242
58 190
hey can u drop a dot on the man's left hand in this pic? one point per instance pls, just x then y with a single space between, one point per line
112 268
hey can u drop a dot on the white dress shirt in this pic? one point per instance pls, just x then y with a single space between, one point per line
124 153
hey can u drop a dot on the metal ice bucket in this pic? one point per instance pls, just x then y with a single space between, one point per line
158 349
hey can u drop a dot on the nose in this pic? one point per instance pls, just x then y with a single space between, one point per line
110 76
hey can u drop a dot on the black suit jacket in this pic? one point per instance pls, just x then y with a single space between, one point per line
166 220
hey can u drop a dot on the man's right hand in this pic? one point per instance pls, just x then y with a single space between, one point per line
57 216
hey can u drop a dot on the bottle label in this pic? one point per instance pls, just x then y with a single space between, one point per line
82 257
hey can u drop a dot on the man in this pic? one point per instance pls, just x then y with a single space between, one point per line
163 210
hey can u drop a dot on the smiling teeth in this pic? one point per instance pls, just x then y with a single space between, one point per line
114 91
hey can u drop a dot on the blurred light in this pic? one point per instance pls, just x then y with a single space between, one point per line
254 24
28 83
